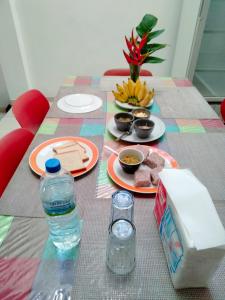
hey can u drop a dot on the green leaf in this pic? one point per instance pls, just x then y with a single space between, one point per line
153 60
154 34
146 24
152 48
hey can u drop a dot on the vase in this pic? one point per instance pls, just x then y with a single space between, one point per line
134 72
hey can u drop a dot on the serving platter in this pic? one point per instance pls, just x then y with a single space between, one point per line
129 106
158 130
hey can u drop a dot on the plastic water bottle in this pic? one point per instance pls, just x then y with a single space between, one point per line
58 200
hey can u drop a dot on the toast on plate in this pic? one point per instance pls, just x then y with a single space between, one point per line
72 146
71 161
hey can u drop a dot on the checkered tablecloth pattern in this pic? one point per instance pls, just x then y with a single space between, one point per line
31 268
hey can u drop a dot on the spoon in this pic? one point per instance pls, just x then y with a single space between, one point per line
111 150
125 134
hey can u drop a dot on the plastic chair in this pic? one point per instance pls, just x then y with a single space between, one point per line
125 72
12 149
222 109
30 109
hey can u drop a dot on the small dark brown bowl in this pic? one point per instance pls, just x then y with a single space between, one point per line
123 121
141 113
143 128
130 167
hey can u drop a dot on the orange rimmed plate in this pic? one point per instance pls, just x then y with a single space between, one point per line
126 181
44 151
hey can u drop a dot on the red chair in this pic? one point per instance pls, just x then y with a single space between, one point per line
125 72
12 149
222 109
30 109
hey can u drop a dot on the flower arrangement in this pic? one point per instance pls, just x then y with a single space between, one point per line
140 48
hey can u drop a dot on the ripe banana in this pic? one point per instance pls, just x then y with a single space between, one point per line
152 93
145 90
137 88
135 93
126 89
141 92
122 91
120 97
146 100
131 87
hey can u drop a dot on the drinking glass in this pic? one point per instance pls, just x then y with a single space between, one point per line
122 206
121 247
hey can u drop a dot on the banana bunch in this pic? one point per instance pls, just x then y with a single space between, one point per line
134 93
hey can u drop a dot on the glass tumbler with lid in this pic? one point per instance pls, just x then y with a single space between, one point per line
121 247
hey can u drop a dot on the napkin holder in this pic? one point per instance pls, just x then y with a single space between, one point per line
191 232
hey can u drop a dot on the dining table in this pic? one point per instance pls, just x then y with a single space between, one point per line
30 265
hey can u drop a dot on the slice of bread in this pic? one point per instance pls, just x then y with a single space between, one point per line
72 146
71 161
60 149
77 147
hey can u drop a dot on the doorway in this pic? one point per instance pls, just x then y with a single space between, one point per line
209 73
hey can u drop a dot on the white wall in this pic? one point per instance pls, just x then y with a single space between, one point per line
10 55
72 37
4 96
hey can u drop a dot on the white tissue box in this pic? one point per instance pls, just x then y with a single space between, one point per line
192 234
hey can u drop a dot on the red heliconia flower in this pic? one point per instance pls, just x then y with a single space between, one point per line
134 46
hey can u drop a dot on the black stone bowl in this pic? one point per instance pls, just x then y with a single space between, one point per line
143 128
123 121
130 168
141 113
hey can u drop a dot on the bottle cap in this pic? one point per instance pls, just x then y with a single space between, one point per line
52 165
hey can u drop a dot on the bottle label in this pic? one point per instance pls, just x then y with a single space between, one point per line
58 207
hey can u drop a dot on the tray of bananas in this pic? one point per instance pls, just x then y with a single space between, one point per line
133 94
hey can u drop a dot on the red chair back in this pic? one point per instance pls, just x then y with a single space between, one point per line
30 109
12 149
222 110
125 72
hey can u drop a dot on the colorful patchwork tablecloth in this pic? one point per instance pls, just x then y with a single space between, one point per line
32 268
105 186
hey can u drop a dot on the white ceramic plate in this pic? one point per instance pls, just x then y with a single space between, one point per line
157 132
129 106
79 103
126 181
